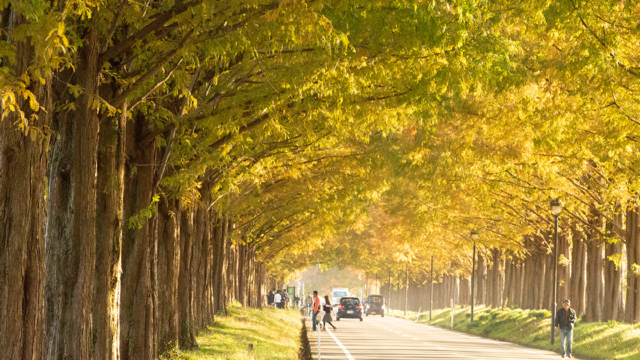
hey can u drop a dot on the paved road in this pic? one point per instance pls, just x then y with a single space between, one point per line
393 338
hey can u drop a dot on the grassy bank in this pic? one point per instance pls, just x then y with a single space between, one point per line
610 340
274 333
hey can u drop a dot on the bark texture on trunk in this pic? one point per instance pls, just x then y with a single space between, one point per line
71 236
497 278
632 311
528 287
564 267
109 220
220 276
595 285
185 285
578 271
612 272
22 218
480 283
138 306
168 273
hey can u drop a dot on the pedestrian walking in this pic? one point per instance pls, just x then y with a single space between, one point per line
270 298
328 310
287 299
277 299
316 309
565 319
296 301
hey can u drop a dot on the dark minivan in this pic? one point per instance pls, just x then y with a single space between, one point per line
349 307
375 305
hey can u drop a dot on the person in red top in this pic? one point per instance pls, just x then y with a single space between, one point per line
316 309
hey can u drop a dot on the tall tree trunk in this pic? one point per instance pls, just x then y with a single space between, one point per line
497 281
612 271
71 222
260 289
168 273
220 283
465 292
539 280
22 216
241 273
547 288
518 283
578 271
185 286
205 273
595 286
109 203
480 276
564 267
196 260
138 306
529 285
632 311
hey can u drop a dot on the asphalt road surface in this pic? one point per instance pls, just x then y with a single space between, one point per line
393 338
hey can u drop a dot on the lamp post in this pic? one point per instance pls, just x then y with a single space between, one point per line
556 209
406 289
431 293
474 237
389 297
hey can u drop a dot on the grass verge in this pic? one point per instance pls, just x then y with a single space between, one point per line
275 334
603 340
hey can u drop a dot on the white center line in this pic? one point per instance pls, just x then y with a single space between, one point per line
344 349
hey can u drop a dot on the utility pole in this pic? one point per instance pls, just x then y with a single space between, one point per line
406 289
473 280
556 209
389 289
431 294
377 285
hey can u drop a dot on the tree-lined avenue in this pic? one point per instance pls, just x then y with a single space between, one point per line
162 159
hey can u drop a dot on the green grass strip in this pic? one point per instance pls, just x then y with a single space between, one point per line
274 333
601 340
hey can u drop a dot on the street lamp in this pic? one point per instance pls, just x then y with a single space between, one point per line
556 209
474 237
431 292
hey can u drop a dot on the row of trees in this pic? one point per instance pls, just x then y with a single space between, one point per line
602 288
492 161
159 159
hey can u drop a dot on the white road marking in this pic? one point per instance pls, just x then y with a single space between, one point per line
485 340
344 349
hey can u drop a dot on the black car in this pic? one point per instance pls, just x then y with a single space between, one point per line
349 307
375 305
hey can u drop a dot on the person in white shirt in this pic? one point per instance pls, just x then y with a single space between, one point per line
277 298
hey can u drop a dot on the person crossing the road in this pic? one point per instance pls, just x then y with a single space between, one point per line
565 319
328 309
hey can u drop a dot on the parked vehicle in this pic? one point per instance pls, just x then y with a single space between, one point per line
337 294
375 305
349 307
